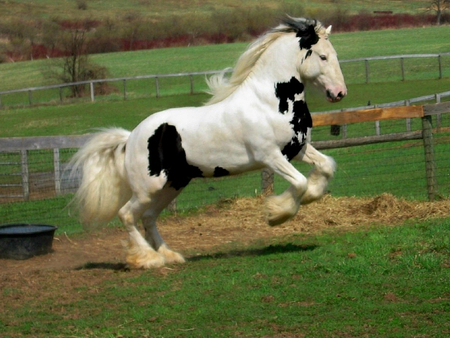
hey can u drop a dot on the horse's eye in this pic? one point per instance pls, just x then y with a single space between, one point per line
323 57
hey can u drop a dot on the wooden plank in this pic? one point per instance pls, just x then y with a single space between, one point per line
360 141
438 108
366 115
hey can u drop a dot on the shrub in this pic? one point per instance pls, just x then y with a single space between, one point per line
81 5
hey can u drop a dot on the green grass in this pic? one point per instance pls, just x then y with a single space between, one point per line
80 118
379 282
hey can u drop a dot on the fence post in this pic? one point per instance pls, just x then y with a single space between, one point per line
440 66
402 66
60 95
367 70
408 121
438 116
57 168
124 89
25 174
267 179
91 86
30 97
191 79
430 164
157 86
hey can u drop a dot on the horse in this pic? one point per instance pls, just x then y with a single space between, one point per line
256 118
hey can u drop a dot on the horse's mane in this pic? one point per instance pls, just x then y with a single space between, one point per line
221 87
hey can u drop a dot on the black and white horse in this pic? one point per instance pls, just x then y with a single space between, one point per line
256 118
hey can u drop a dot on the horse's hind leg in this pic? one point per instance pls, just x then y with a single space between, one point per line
159 202
323 171
139 253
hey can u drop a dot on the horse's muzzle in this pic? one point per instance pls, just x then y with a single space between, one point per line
335 97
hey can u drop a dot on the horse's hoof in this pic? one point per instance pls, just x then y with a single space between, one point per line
144 258
171 256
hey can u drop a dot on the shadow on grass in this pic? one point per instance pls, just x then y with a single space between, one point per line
269 250
104 266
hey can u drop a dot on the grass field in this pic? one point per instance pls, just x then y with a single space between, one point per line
377 282
80 118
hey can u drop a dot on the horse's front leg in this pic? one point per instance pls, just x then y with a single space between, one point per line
281 208
319 176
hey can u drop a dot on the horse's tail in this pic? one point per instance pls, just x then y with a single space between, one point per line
104 188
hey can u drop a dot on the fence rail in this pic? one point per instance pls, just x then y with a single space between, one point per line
439 73
23 145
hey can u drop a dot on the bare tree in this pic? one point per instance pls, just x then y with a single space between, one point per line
76 66
438 6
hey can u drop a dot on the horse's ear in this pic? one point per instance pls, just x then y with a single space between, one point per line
328 31
308 37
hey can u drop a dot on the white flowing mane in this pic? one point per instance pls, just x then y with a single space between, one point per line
221 87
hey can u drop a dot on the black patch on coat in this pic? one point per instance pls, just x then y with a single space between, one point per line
286 91
301 120
166 154
219 172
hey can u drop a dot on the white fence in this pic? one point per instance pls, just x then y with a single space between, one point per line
434 69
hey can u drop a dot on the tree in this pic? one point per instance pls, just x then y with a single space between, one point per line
76 66
439 6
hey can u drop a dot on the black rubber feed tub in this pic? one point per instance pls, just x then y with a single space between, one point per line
22 241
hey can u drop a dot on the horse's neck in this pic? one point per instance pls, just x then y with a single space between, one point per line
278 67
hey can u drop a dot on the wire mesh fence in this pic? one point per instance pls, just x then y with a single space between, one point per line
35 187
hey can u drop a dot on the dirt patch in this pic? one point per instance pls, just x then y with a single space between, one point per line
230 221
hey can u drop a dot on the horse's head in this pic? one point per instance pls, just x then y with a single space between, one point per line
319 64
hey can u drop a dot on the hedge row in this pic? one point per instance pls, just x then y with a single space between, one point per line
47 38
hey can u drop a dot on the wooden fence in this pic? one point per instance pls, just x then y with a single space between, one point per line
424 112
439 73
